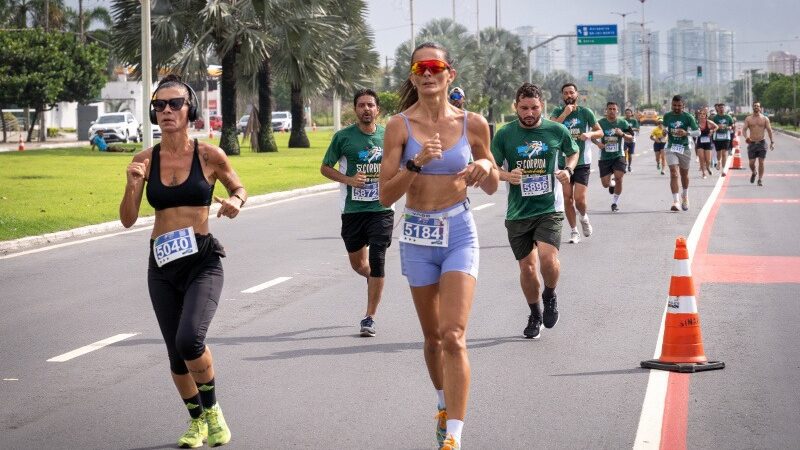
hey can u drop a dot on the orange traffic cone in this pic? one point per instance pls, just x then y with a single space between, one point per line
737 157
21 146
682 349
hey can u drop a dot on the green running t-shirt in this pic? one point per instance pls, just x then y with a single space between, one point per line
579 121
674 122
535 151
613 144
356 151
725 123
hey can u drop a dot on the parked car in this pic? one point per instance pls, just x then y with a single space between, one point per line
241 126
121 126
281 121
156 130
214 121
648 116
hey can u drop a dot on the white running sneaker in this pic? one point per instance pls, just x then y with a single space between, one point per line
586 227
574 237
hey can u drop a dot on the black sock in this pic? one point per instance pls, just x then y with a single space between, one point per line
534 309
548 292
207 394
194 406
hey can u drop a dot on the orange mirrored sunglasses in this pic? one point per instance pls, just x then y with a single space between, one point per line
434 66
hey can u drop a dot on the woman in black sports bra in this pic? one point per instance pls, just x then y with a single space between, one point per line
184 274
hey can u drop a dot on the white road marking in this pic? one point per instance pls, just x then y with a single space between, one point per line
648 433
483 206
91 347
263 286
10 379
212 215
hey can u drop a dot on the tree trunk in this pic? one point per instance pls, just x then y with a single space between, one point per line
32 124
298 138
229 141
42 126
3 119
266 141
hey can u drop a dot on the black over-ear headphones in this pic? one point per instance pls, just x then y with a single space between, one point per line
192 102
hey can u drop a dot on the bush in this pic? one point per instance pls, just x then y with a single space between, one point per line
52 132
12 124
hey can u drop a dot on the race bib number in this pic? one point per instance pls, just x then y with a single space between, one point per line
535 185
174 245
368 193
611 148
722 136
428 231
575 132
705 139
677 148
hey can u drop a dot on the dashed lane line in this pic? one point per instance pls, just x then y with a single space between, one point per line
263 286
91 347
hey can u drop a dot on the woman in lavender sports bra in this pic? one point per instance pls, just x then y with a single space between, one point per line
432 152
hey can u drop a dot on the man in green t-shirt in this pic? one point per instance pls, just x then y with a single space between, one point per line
528 150
726 125
616 131
366 224
583 127
680 126
630 146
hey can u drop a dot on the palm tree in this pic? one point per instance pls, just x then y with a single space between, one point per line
505 67
188 33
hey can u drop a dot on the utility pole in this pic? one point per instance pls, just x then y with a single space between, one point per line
80 21
496 14
413 39
478 22
147 76
645 58
624 56
454 10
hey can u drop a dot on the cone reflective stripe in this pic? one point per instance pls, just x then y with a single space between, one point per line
21 146
682 347
737 159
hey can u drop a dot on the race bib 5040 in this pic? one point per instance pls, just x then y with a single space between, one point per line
174 245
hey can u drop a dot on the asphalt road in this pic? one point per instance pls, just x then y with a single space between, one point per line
293 373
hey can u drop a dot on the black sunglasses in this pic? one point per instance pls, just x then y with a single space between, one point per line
175 104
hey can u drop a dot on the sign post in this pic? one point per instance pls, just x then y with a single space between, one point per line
596 34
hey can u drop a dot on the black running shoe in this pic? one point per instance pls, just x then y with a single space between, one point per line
753 178
550 312
759 183
534 324
614 207
368 327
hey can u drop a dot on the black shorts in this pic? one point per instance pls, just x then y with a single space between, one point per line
703 145
523 234
609 166
757 150
366 228
658 146
722 145
580 175
629 146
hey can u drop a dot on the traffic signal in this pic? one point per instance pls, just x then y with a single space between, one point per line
699 71
591 75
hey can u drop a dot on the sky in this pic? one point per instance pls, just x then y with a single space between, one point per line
759 26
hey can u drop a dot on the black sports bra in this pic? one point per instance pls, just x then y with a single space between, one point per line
195 191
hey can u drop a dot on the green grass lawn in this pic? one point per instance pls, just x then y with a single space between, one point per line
42 191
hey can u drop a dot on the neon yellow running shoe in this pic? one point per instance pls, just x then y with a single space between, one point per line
441 426
218 431
195 435
450 443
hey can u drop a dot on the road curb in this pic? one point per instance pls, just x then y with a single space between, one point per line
16 245
789 133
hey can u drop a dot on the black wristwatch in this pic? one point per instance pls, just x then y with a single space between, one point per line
413 167
570 170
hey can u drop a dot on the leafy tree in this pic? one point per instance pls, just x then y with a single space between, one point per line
40 69
389 103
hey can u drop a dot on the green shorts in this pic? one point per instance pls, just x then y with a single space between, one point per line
523 234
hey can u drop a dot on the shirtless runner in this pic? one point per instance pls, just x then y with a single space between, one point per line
756 123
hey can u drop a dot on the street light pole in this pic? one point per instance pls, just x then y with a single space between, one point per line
147 76
413 40
624 56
